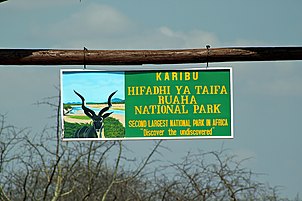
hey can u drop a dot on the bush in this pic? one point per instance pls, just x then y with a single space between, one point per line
112 128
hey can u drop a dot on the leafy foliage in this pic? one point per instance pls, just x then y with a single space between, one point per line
67 106
112 128
71 128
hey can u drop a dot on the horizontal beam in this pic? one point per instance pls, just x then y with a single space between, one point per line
138 57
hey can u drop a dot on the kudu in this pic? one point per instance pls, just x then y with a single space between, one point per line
98 120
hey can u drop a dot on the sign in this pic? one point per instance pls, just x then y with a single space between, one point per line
152 104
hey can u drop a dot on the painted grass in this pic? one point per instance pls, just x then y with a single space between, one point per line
79 117
117 108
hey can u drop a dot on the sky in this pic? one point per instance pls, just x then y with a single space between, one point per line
93 86
267 95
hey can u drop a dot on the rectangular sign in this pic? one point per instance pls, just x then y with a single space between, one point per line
153 104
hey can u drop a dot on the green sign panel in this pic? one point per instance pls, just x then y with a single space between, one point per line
178 104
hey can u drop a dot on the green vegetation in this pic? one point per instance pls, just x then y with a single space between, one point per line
112 128
117 108
67 106
79 117
71 128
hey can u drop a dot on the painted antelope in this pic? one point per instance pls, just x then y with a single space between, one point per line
98 120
